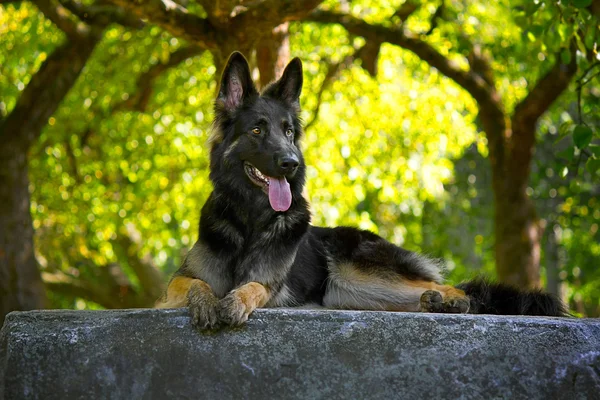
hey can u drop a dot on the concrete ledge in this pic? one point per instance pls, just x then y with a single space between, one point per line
291 353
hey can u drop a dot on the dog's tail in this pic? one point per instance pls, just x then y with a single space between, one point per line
496 298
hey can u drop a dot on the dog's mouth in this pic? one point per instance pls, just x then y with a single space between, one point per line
278 189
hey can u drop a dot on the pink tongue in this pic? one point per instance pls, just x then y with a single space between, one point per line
280 195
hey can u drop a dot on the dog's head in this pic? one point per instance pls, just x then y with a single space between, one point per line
255 150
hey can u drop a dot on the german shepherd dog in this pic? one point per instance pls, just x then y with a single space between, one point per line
256 247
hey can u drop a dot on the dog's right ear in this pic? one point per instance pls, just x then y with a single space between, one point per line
236 82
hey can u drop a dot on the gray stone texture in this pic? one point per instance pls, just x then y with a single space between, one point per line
293 353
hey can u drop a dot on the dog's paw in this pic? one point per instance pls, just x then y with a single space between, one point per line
203 309
432 301
456 305
232 310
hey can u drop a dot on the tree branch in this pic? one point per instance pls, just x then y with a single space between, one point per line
273 54
437 15
48 86
271 13
545 91
595 8
152 281
471 82
530 109
480 87
369 56
110 290
61 17
145 82
480 64
175 19
406 9
220 11
72 161
139 99
101 13
333 70
66 285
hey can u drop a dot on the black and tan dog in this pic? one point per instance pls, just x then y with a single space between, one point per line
256 247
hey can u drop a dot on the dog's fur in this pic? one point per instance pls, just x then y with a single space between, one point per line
255 249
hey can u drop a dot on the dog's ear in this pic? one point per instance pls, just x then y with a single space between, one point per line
236 82
289 86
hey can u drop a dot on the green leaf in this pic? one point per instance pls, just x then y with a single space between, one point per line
565 56
565 128
593 166
581 3
595 150
532 7
538 30
568 153
565 32
580 44
582 136
589 38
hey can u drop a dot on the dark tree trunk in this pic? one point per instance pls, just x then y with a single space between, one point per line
517 228
518 235
21 287
273 54
553 284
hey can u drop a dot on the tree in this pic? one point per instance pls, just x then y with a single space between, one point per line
21 287
510 135
141 77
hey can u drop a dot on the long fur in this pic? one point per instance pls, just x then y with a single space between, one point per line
495 298
250 254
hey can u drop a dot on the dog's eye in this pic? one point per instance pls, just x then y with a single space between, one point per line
289 132
256 131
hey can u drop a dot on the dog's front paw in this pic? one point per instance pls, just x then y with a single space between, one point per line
203 308
232 310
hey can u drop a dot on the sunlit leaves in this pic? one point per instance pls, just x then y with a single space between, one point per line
26 39
401 154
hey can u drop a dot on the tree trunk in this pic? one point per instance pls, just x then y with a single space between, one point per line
511 139
517 228
21 287
273 54
553 284
518 235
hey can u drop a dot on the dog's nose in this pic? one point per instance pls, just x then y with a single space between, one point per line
288 163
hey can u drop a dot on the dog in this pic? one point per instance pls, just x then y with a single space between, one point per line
257 248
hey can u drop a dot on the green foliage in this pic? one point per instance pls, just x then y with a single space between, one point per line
401 154
26 42
582 136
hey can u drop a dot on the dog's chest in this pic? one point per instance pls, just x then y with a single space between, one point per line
268 253
277 228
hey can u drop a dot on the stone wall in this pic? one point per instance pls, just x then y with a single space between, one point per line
292 353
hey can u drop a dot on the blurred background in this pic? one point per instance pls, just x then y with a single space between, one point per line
467 130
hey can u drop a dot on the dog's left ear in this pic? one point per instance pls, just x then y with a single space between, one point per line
289 86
